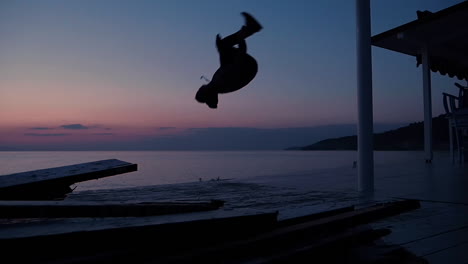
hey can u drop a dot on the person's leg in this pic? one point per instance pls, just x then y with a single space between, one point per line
225 46
251 27
227 54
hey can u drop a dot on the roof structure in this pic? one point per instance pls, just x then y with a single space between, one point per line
444 34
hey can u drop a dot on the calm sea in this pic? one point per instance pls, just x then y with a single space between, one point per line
169 167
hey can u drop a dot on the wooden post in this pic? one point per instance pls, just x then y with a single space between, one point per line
426 74
364 87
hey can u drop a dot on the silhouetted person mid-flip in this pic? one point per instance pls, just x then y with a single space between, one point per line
237 67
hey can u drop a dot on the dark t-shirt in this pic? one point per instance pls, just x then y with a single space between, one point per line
233 76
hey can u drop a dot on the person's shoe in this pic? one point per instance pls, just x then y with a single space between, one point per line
251 23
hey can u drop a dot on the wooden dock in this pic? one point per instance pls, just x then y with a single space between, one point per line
54 183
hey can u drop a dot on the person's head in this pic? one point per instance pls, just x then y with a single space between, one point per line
200 96
207 95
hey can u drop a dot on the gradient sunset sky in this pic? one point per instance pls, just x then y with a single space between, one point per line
88 72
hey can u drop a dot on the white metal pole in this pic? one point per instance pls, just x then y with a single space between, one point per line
426 73
364 97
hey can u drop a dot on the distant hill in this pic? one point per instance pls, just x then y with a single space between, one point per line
410 137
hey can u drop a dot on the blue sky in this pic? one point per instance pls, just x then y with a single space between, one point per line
126 68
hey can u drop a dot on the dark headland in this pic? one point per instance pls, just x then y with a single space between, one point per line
409 137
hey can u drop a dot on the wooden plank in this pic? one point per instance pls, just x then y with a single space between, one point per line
45 227
63 209
309 237
347 219
74 173
323 249
55 183
315 216
158 235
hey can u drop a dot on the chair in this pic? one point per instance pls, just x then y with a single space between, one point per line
456 109
463 95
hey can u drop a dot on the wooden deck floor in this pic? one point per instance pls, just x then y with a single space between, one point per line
438 231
